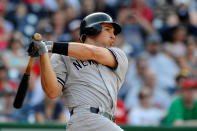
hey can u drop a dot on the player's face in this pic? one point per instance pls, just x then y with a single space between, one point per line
106 38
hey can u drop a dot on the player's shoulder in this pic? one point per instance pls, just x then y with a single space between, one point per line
121 59
118 51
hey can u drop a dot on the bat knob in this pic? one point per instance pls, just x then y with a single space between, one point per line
37 37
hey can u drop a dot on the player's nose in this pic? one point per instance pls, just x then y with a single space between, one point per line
112 35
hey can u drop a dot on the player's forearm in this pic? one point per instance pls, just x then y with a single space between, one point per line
73 49
82 51
85 52
48 77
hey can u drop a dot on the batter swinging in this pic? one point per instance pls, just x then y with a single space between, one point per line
89 74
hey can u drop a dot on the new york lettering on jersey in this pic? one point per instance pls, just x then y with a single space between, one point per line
79 64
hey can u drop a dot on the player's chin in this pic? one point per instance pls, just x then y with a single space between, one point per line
111 43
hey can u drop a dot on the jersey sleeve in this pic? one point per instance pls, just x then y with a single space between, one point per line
59 68
122 62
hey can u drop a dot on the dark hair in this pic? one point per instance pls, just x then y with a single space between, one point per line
2 66
144 93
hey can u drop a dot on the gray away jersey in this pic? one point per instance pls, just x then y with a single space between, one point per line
90 83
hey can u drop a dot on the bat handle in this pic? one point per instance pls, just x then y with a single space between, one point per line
29 66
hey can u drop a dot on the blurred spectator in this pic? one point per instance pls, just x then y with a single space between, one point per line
36 7
193 23
121 113
134 28
160 99
145 114
188 61
75 4
122 44
15 59
74 30
190 56
171 21
45 28
49 111
180 77
7 113
103 6
135 76
177 47
50 5
87 7
140 8
58 23
4 82
7 93
71 13
25 21
162 10
183 110
164 66
5 26
182 10
61 4
182 63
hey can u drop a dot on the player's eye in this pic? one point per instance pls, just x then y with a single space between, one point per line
108 29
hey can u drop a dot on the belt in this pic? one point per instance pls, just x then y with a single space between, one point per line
96 110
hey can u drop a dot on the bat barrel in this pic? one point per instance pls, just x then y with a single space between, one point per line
21 93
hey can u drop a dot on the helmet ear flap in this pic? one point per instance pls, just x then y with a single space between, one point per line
82 38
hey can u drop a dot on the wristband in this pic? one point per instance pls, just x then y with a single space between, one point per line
60 48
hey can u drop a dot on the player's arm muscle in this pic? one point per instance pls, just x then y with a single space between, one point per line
49 81
91 52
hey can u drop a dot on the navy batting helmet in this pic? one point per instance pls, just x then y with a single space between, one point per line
91 25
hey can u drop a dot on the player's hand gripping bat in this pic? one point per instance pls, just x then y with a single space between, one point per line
22 89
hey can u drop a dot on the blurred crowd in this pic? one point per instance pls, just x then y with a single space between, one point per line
158 36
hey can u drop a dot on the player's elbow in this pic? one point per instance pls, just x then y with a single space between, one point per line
104 56
52 92
52 95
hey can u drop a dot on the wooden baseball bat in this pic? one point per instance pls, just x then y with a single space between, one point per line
22 89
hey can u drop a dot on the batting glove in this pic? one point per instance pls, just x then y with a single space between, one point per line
37 48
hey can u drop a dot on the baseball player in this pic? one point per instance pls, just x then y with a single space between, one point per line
89 74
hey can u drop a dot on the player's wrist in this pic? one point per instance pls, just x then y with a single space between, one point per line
60 48
42 48
49 45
